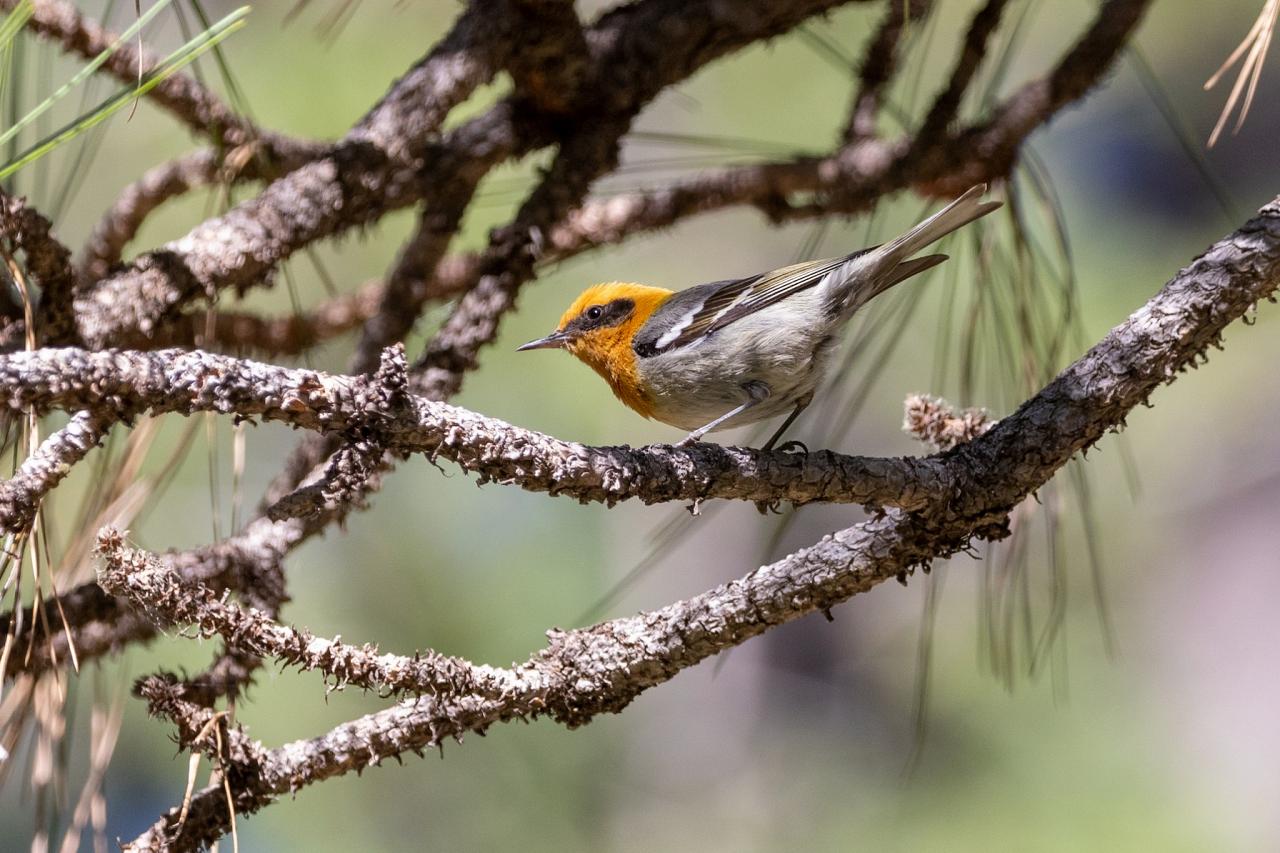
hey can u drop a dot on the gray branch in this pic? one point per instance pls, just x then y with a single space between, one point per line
48 263
161 594
129 384
39 473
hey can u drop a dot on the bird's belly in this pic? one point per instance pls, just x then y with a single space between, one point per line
695 385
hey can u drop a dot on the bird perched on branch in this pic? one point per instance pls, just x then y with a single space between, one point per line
734 352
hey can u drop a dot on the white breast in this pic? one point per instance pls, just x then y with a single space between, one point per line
780 346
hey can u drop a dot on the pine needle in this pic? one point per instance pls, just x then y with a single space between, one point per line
175 61
1254 51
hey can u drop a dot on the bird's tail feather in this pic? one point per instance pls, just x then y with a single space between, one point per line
906 269
902 272
872 273
869 273
958 214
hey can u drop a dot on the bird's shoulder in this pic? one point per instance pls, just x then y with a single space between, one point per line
675 315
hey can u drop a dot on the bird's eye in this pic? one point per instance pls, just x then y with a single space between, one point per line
595 312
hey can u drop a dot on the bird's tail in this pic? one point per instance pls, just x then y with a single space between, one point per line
892 261
958 214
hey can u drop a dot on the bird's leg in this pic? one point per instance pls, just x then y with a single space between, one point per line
696 436
758 392
801 405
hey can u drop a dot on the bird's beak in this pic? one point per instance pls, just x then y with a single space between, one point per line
555 340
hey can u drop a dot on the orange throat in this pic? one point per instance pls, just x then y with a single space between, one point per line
617 365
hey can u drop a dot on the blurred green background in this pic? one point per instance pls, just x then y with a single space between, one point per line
805 738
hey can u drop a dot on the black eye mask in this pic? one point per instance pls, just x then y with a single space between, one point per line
602 316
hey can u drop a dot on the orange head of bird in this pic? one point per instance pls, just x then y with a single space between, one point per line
599 328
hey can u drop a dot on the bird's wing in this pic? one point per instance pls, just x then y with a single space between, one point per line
700 311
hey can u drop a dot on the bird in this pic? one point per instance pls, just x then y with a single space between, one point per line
728 353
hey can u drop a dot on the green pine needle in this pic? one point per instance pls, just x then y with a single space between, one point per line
83 74
171 64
